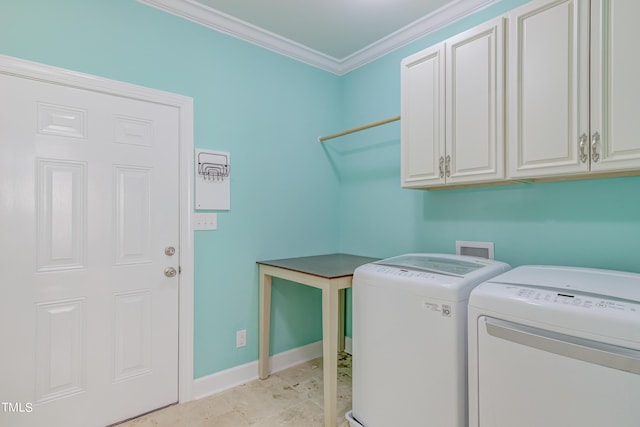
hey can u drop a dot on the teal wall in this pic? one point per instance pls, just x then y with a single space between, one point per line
594 223
291 196
267 110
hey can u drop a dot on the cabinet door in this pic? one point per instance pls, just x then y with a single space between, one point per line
547 99
615 85
475 104
422 112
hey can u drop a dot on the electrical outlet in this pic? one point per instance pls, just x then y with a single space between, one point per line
241 338
205 221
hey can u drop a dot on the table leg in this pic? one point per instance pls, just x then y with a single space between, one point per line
341 316
330 303
265 324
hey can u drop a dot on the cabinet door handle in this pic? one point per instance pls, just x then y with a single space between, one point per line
595 143
447 167
441 166
582 145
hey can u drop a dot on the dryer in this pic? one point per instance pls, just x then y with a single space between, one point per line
409 339
555 347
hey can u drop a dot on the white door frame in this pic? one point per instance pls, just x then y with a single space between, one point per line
49 74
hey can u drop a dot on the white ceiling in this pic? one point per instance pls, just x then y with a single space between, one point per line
335 35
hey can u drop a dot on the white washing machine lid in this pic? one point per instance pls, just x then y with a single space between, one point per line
441 276
606 283
437 263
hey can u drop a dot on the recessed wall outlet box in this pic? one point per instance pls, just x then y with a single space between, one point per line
205 221
477 249
241 338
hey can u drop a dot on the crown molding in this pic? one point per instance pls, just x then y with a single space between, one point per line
224 23
438 19
227 24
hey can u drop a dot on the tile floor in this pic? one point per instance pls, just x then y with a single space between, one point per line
292 397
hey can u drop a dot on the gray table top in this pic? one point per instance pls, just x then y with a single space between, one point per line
331 266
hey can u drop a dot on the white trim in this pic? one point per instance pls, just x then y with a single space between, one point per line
224 380
348 345
46 73
186 294
440 18
219 21
227 24
229 378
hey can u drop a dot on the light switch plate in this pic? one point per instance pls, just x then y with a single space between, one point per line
241 338
205 221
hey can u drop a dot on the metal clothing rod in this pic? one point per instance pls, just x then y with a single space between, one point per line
358 129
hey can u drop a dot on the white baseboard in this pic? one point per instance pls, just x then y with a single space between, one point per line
224 380
348 345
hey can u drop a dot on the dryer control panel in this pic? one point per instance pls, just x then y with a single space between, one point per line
587 301
581 314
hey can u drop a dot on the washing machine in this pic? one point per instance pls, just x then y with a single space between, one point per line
555 347
409 339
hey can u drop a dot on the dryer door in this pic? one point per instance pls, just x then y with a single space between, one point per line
529 377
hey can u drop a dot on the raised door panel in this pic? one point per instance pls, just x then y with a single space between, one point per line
422 126
615 86
475 104
547 99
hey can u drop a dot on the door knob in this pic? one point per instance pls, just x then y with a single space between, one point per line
169 250
170 272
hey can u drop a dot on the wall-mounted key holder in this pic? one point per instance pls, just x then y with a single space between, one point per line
213 176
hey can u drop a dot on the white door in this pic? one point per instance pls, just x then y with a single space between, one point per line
615 88
475 104
88 204
548 88
422 126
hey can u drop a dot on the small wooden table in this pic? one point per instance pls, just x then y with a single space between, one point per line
331 273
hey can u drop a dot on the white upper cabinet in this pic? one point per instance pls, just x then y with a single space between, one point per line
422 111
548 89
475 105
572 82
557 59
615 85
453 111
